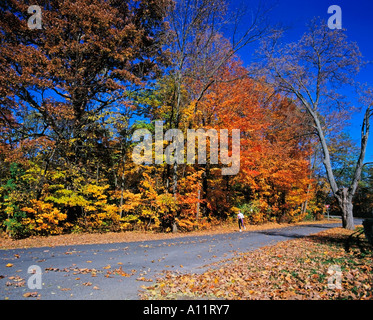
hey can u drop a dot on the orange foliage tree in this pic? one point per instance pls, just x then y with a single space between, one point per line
274 174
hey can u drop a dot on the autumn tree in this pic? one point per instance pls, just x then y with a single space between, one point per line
274 165
199 48
84 60
61 84
310 71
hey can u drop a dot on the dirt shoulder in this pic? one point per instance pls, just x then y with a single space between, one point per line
131 236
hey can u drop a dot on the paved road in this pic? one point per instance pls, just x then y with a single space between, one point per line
87 271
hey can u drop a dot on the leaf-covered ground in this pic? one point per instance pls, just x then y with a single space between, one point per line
294 269
130 236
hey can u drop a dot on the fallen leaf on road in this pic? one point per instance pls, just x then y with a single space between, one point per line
9 265
30 294
144 279
120 272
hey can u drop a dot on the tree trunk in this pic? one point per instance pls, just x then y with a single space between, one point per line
198 203
174 179
345 204
344 196
347 216
205 186
121 195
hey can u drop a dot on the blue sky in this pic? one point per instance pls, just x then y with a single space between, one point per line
357 18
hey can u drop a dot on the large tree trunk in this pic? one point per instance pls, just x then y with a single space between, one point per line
344 199
347 216
344 196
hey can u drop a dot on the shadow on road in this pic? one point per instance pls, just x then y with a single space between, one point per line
286 233
350 242
282 234
319 226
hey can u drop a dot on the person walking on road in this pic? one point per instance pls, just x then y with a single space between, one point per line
240 217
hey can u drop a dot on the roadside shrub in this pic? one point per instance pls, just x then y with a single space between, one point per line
253 211
43 218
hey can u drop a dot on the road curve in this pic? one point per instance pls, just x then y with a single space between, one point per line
118 270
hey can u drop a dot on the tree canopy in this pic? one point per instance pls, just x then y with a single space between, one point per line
74 93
